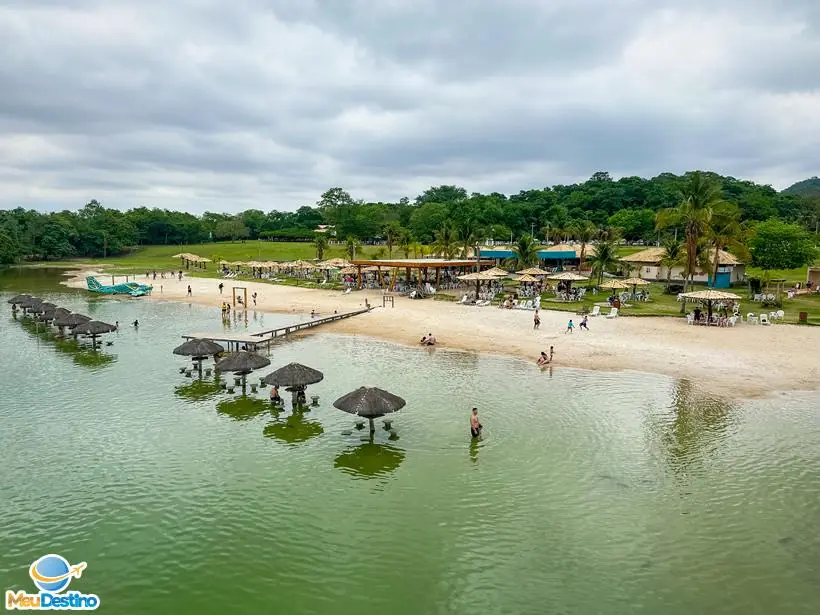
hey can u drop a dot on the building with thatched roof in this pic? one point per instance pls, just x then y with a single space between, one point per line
648 265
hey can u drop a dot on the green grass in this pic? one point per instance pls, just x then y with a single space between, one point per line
159 257
667 305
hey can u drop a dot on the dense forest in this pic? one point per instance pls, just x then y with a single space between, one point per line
627 207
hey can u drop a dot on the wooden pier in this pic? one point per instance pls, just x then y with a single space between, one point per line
252 341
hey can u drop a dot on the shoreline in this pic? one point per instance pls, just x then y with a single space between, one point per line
746 361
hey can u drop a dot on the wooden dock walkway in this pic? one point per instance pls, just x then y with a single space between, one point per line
261 338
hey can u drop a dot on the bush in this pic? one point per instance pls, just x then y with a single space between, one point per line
772 303
673 289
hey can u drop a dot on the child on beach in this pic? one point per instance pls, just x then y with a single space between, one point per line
570 327
536 320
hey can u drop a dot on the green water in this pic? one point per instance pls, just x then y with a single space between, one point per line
591 493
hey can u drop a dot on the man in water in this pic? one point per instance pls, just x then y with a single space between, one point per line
475 426
136 324
274 394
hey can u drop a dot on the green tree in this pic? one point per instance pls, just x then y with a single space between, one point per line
673 256
525 252
405 242
605 259
726 232
320 243
781 245
699 197
392 231
584 232
445 244
351 245
232 229
9 248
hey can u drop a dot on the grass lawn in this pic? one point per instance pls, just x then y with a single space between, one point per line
159 257
667 305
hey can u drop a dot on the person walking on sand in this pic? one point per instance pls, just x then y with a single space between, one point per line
536 320
253 296
570 327
475 425
584 322
189 290
221 286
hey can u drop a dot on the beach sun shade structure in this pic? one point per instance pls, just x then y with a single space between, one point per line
94 328
243 363
45 307
369 403
615 285
30 302
526 278
199 349
533 271
18 298
635 282
567 276
709 297
497 272
69 320
481 276
294 375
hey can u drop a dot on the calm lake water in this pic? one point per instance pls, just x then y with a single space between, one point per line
591 493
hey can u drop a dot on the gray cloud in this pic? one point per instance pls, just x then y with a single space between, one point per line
266 103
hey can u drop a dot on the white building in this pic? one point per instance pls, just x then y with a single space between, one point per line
647 264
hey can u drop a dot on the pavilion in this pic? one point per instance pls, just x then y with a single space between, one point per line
421 265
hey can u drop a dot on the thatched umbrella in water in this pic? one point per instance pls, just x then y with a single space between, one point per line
294 375
94 328
30 303
243 363
369 403
16 299
70 320
199 350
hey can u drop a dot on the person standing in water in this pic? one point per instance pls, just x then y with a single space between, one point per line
475 425
253 296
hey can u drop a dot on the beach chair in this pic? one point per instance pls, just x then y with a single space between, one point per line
347 290
764 319
596 311
780 314
690 319
732 320
751 318
613 313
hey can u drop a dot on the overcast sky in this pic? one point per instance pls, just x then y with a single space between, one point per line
215 105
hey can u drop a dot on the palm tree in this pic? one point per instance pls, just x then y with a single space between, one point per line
351 246
699 197
584 232
525 252
405 242
726 231
673 255
468 235
320 243
445 244
605 258
391 232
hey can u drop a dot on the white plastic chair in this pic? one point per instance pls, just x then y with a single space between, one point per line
690 319
613 313
751 318
780 314
732 320
764 320
596 311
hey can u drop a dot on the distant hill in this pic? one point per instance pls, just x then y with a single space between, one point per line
808 187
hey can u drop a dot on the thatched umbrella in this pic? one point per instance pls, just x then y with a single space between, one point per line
497 272
18 298
94 328
199 349
294 375
533 271
242 362
70 320
44 307
615 285
635 282
567 276
525 278
479 277
369 403
709 297
30 302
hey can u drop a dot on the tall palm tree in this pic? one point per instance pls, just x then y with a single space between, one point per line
445 244
605 259
726 231
699 197
405 242
673 256
351 246
390 235
584 232
525 252
468 236
320 243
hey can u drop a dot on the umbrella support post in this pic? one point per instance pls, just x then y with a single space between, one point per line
372 427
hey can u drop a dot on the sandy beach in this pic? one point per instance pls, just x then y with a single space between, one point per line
744 361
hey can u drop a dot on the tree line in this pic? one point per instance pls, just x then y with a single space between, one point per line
443 216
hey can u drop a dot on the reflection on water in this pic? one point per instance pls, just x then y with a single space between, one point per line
370 460
293 429
694 427
243 407
199 390
82 354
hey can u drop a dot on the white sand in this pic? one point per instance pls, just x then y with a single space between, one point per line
744 361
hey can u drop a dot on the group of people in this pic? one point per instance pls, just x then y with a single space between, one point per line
428 340
162 274
583 325
545 359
